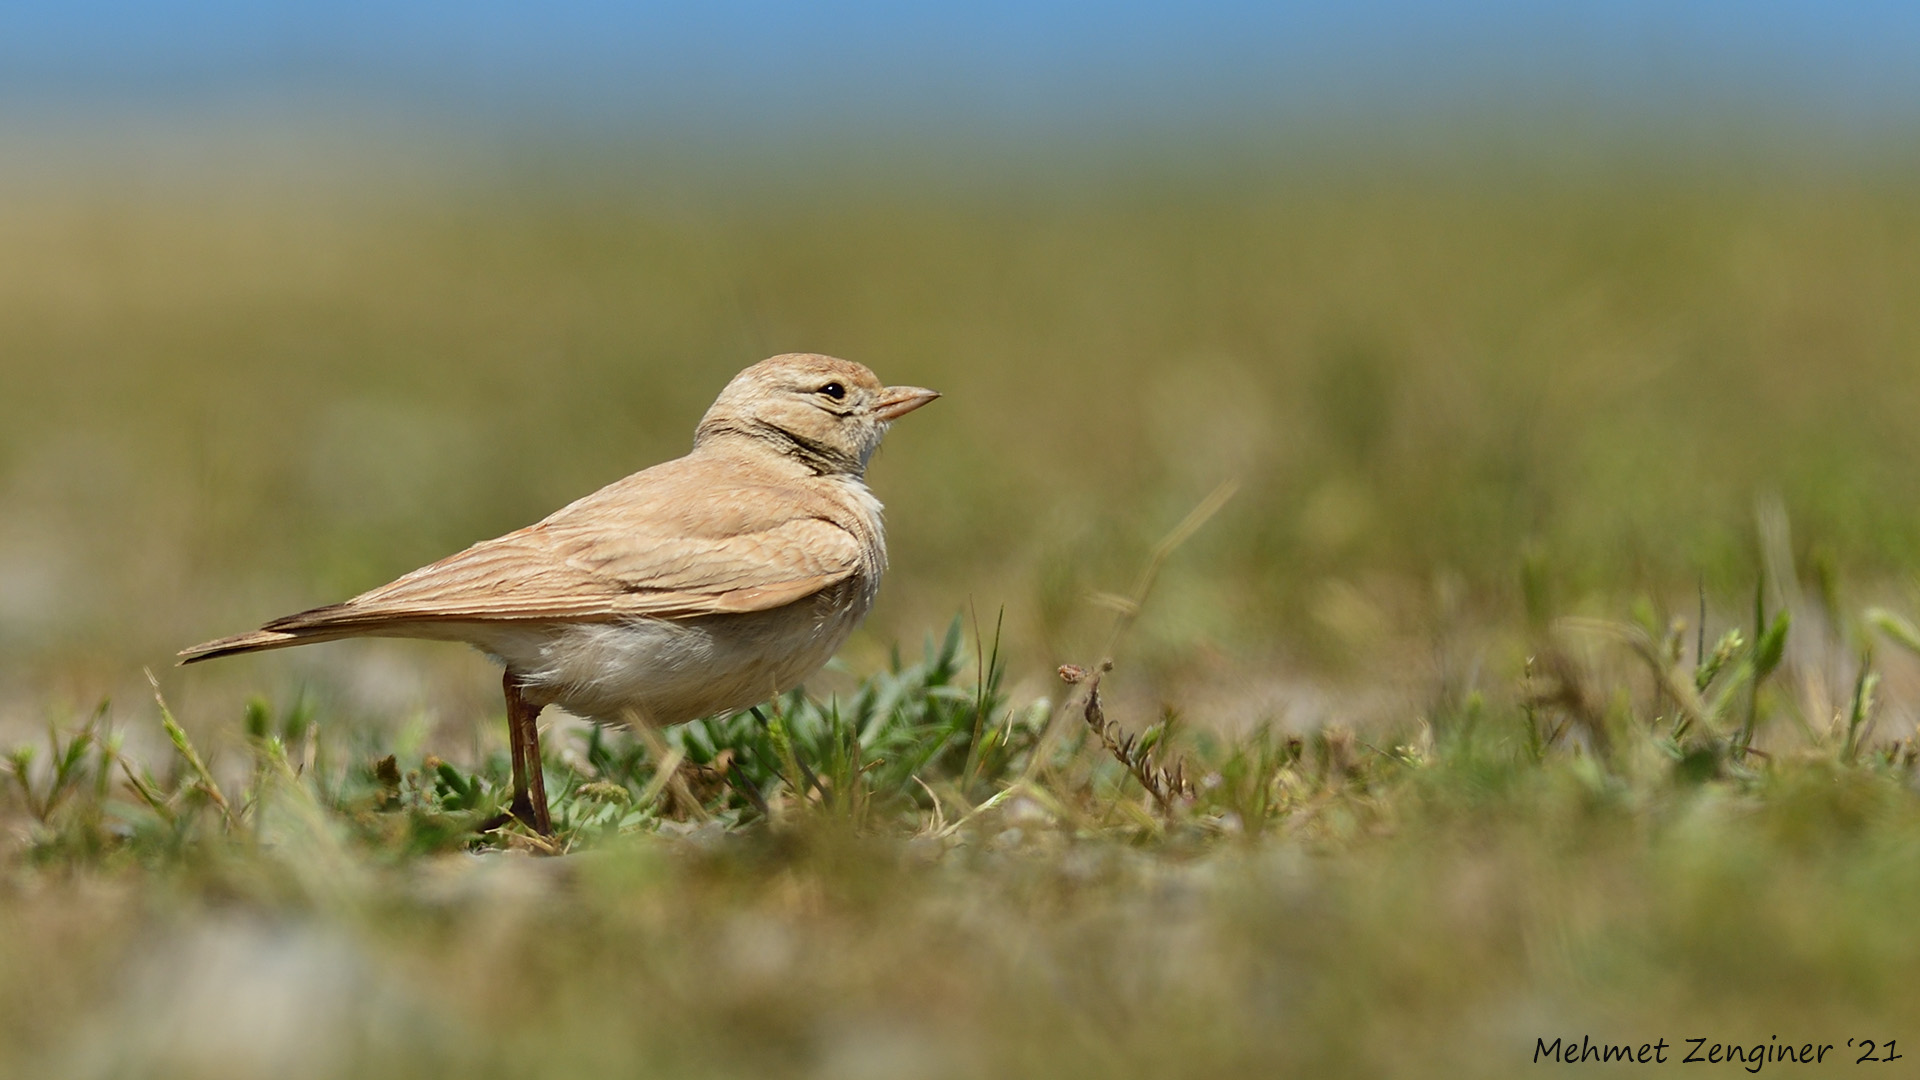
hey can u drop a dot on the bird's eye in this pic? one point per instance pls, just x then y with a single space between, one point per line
834 390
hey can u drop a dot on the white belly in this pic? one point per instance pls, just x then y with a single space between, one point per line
667 671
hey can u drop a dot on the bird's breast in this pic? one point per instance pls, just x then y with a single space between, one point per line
666 671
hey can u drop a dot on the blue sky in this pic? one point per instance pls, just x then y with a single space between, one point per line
985 62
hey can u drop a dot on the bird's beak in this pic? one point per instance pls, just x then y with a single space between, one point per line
897 401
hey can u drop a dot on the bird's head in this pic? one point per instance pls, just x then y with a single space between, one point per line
825 412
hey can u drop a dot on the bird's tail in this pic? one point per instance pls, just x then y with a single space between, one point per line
260 640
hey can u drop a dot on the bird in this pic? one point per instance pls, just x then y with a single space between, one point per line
697 587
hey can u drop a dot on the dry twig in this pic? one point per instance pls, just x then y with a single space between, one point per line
1165 785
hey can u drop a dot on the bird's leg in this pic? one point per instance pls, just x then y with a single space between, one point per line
529 780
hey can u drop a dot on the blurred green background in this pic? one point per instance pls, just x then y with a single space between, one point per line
236 391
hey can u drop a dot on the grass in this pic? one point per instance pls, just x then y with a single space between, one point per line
928 878
1550 673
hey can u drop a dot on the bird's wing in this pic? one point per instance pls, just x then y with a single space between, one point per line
630 549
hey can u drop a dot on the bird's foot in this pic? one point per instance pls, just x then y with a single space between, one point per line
522 811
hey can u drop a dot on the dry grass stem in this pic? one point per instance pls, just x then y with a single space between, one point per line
1165 785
